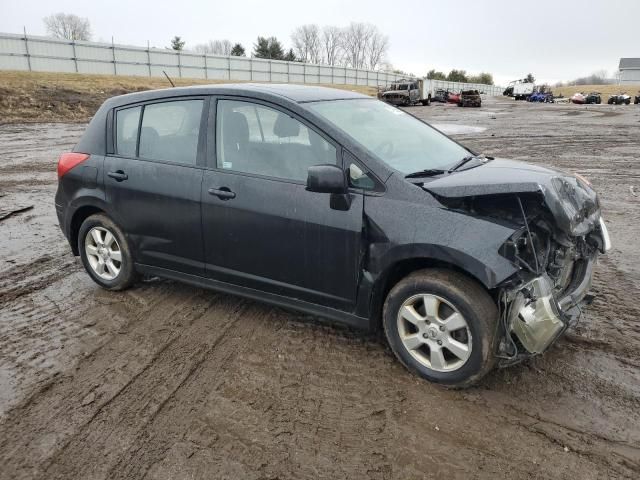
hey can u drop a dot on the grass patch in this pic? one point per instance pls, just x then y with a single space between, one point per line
605 90
73 97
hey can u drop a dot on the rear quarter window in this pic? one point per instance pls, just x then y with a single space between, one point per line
127 121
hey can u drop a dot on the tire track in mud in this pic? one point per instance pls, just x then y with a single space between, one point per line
611 321
241 415
114 369
156 436
37 274
140 401
622 457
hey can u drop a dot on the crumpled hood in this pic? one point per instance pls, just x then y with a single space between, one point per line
573 203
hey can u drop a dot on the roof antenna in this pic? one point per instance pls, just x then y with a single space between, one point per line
170 81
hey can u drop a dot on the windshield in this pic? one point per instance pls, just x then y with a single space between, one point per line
395 137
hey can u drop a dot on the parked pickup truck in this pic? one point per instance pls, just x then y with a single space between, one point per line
407 92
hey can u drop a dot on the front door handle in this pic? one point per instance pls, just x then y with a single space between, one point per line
223 193
118 175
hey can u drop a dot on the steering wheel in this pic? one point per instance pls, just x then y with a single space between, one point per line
384 149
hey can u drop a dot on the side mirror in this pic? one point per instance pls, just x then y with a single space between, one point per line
326 179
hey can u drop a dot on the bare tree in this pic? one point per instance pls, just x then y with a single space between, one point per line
359 45
307 44
376 49
68 26
356 42
332 40
215 47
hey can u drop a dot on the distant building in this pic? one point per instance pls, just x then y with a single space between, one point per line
629 70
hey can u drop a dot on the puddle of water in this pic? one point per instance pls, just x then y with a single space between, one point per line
457 129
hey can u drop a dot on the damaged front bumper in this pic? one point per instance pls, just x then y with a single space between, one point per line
395 98
536 316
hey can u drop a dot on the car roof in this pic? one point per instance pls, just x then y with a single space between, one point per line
290 92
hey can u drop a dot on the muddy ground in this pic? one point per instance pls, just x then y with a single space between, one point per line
167 381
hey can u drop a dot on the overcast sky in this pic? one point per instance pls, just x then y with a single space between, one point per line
555 40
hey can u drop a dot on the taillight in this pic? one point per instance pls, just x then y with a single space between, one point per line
69 160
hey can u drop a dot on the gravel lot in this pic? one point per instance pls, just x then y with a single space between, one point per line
167 381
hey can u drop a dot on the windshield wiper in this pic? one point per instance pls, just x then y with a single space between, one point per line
429 172
466 160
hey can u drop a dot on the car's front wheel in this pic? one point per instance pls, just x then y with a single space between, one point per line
105 253
442 326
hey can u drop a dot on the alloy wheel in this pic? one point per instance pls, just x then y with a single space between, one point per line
434 332
103 253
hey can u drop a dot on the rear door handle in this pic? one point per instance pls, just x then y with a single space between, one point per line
118 175
223 193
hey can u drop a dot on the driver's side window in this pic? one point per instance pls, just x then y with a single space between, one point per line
255 138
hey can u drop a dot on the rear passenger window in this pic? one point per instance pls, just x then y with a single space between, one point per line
170 131
127 131
257 139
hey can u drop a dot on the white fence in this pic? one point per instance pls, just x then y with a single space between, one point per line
32 53
42 54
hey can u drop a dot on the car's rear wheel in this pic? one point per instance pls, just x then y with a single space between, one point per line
105 253
442 326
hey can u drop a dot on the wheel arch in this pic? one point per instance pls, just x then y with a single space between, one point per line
79 216
398 270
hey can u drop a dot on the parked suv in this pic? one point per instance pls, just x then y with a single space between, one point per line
338 205
402 93
470 98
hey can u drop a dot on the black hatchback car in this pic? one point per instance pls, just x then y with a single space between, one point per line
338 205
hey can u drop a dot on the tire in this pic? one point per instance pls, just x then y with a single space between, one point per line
455 294
107 259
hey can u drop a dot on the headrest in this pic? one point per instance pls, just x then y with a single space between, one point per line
236 126
286 126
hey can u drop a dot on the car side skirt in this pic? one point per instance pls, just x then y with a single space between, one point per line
349 319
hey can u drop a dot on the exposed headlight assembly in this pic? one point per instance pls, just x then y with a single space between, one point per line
534 315
574 204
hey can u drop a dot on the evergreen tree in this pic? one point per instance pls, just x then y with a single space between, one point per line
238 50
177 43
290 56
268 48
